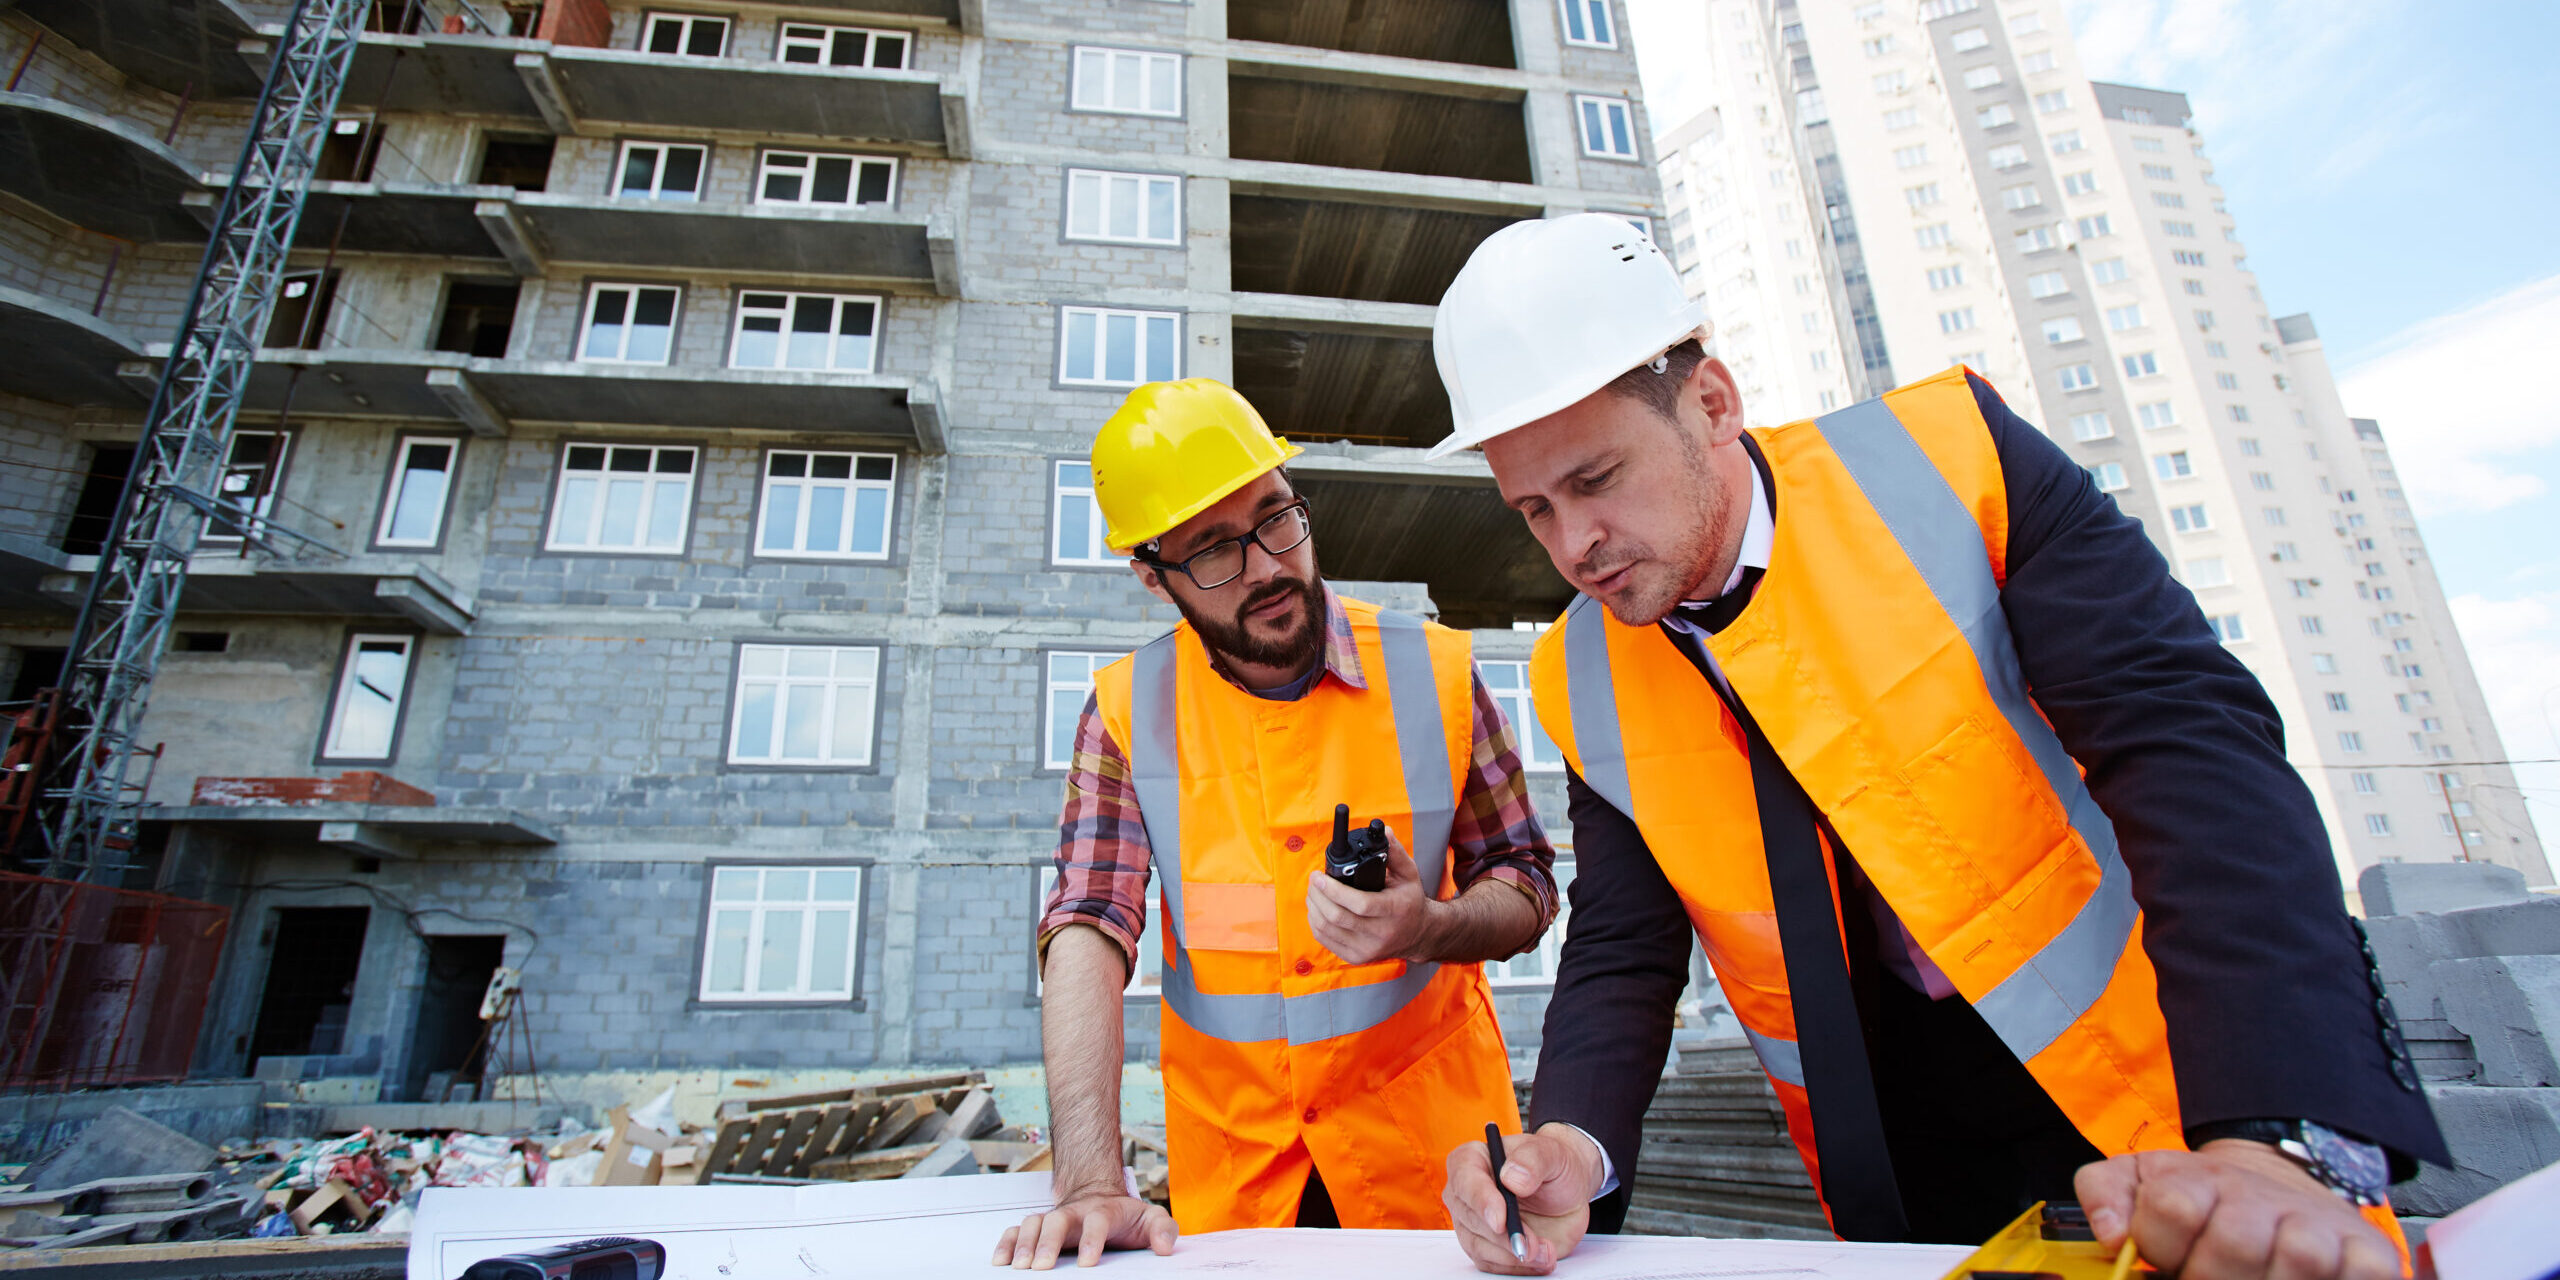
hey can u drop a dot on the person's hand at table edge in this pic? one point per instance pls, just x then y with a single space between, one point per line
1554 1171
1088 1223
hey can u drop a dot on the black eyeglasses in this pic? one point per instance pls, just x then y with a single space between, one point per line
1222 562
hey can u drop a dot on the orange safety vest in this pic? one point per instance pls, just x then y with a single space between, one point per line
1278 1056
1876 658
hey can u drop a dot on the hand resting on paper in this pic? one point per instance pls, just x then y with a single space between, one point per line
1089 1224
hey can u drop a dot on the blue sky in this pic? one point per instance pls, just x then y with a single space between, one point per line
2394 167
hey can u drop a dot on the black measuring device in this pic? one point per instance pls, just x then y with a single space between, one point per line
1358 855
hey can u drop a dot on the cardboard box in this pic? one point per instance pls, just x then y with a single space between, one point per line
637 1157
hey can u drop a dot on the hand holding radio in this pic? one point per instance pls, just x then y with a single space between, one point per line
1358 922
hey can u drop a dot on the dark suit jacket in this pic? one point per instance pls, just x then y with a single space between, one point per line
2261 980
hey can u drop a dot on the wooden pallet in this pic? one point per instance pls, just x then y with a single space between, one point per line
787 1137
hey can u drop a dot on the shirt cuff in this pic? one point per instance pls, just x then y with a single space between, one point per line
1608 1171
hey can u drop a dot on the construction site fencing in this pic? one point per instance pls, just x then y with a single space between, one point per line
101 986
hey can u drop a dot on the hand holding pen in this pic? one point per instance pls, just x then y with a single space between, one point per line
1522 1201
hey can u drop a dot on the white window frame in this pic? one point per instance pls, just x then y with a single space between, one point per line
334 746
2008 155
799 35
1604 121
1078 687
2066 142
2128 316
686 23
2077 377
1587 23
1984 77
777 688
2092 426
851 488
2141 364
2022 196
2206 571
1505 973
1063 489
2083 183
1507 682
1096 81
1997 115
804 989
1968 39
1106 195
237 478
2110 477
781 163
2109 271
2048 284
752 305
2228 628
2063 330
631 299
2190 518
657 189
1144 325
2156 414
396 496
2052 101
656 488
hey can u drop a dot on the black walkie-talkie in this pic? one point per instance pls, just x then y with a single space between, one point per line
1357 857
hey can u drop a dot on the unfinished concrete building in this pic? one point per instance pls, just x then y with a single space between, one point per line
691 402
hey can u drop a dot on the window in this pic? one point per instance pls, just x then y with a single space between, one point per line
622 498
1608 127
630 324
2048 284
2168 200
2189 519
1133 208
2274 515
808 177
806 331
1127 81
2375 824
686 35
2034 239
1877 47
1075 518
2095 226
1537 965
2155 415
2107 271
1901 118
1955 321
2151 145
804 705
2337 701
2062 329
1945 277
2350 741
843 47
1890 82
2110 477
1932 10
2077 377
2249 447
2159 173
2207 571
2261 481
661 171
826 505
2227 381
2183 230
2026 24
2311 624
1969 39
2141 364
782 933
2067 141
2365 784
2285 553
1065 685
2091 426
1587 22
364 718
2036 63
1982 78
2239 412
1934 236
2303 588
2022 196
2083 183
1911 157
2123 318
247 485
2227 628
2173 465
1508 682
2048 103
1109 348
421 477
1994 116
1921 196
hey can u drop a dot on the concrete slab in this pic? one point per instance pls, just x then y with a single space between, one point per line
2408 888
173 48
425 219
61 353
2510 1008
865 244
94 171
2497 1136
458 826
120 1143
625 87
32 1124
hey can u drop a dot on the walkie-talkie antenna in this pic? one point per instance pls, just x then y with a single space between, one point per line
1341 825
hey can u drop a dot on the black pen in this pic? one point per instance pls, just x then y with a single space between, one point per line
1510 1202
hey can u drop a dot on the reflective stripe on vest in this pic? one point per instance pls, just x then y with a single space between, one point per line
2042 998
1431 797
1777 1057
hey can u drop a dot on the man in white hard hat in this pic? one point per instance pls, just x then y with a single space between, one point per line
1902 678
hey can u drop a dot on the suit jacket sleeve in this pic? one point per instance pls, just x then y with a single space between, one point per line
1625 960
2262 979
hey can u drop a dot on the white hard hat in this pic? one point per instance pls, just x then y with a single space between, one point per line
1547 312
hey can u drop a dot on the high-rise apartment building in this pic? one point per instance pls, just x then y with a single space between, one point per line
687 408
1881 190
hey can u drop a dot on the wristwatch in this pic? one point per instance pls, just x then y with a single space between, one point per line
2358 1171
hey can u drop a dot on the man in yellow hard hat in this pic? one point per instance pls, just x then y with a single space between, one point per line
1322 1044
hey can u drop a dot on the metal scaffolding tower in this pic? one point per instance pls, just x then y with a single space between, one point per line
124 622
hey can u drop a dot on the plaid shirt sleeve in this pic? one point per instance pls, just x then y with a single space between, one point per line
1496 834
1103 856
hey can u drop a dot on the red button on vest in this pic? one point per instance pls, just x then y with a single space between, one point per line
1296 843
1310 1116
1305 967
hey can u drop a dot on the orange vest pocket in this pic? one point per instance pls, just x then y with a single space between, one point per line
1230 917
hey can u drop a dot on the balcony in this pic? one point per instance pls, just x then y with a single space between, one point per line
1386 515
364 586
1376 251
1393 115
429 219
60 353
25 564
1476 32
175 48
1323 369
94 171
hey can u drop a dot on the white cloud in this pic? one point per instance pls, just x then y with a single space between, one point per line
2459 398
2514 645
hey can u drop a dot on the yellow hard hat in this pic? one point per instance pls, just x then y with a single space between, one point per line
1173 450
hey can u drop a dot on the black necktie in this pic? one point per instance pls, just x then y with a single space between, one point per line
1848 1126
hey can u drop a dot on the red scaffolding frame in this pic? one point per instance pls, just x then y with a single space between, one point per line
104 986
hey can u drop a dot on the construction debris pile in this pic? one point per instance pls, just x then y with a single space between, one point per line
129 1180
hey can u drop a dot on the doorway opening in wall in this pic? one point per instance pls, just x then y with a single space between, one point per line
85 533
347 153
479 317
446 1047
301 316
312 955
519 160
